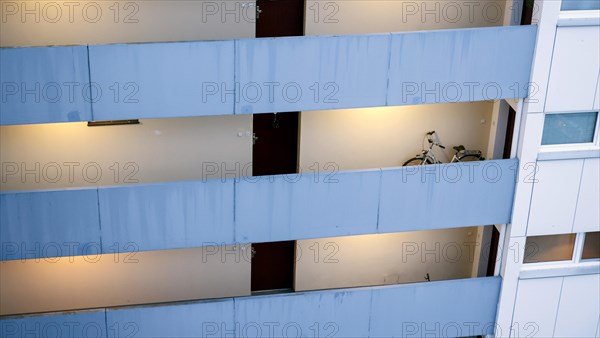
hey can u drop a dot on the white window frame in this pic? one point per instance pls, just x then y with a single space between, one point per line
572 260
581 252
568 147
572 267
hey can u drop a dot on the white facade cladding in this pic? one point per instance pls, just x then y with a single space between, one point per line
550 285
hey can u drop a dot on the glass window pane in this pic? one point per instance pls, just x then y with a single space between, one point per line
591 246
579 5
569 128
549 248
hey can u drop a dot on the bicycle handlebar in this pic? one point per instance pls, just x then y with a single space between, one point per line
429 139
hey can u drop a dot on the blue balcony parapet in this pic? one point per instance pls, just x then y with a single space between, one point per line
375 201
72 324
310 205
248 76
453 308
328 72
460 66
49 224
44 85
255 209
448 195
169 215
162 79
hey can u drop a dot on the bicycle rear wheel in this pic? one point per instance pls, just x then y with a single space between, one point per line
470 158
416 161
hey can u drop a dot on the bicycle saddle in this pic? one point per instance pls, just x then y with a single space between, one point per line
472 152
459 148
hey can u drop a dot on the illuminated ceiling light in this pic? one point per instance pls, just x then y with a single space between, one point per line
112 123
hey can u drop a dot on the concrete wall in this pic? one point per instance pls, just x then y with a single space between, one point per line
33 23
254 210
324 17
157 150
83 282
41 23
444 309
386 137
385 259
160 150
355 71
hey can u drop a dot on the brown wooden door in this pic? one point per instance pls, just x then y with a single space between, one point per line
275 149
280 18
491 266
510 127
273 266
527 12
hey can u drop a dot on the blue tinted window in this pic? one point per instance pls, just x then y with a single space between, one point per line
578 5
569 128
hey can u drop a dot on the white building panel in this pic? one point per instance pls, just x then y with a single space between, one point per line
536 307
554 197
597 99
579 310
574 72
587 216
546 15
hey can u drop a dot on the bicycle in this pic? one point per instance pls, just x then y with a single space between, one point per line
427 156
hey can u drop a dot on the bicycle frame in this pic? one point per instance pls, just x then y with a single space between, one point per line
427 156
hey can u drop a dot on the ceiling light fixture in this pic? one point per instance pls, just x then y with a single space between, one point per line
112 123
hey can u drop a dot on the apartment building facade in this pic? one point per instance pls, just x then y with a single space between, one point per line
234 168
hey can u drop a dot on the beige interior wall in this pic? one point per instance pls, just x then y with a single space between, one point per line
123 279
66 155
385 258
388 136
43 23
326 17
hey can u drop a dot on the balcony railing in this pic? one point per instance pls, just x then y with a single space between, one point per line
255 209
160 80
454 308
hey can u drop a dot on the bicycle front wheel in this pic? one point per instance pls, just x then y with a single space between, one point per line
416 161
